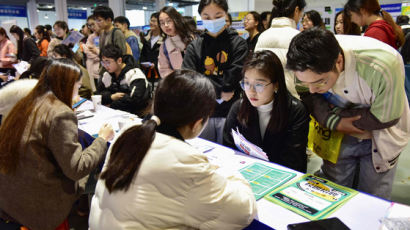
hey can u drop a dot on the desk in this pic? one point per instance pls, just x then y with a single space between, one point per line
361 212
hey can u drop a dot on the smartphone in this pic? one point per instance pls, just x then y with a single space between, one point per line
326 224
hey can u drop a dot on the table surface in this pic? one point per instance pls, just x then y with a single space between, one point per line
363 211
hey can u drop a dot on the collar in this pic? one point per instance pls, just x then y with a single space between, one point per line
170 131
265 108
283 22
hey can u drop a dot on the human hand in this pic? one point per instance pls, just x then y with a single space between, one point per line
346 126
117 96
226 96
106 132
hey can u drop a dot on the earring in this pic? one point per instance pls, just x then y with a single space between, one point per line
276 90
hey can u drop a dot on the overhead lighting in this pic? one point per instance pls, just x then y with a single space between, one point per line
84 8
144 8
49 6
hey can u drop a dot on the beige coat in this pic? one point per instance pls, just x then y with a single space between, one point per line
176 188
44 187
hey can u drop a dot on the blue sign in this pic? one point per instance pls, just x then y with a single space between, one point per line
77 14
392 8
14 11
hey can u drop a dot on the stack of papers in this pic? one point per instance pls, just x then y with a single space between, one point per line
397 217
312 197
264 179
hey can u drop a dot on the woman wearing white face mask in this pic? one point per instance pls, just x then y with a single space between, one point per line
219 53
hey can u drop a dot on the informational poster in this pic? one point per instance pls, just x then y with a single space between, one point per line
264 179
312 197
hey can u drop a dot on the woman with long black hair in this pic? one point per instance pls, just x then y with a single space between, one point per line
26 47
267 115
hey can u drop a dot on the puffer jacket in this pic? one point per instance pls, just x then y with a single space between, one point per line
175 188
277 39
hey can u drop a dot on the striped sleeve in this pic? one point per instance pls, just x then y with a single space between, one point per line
384 73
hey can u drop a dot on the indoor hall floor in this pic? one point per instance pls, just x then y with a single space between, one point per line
401 186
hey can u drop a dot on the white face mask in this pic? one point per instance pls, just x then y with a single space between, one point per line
214 26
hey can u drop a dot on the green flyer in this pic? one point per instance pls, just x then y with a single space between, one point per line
312 197
264 179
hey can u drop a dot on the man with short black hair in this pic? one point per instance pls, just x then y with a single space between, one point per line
104 18
123 86
355 85
123 24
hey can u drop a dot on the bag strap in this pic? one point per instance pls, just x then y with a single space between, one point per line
167 55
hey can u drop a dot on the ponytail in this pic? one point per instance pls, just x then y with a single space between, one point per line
127 154
397 30
285 8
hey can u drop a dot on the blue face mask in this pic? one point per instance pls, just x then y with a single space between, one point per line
214 26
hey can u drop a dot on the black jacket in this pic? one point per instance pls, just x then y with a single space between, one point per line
287 147
30 50
221 60
149 54
131 81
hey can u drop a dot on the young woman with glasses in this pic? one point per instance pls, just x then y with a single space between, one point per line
268 116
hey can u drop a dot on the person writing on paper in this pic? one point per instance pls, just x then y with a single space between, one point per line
171 184
354 85
41 161
267 115
26 47
218 53
123 86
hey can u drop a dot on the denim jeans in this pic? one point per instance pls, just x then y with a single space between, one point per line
358 153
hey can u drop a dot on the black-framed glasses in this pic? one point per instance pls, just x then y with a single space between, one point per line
258 87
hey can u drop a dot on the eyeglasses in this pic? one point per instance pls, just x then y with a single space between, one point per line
105 63
317 84
258 87
90 25
247 20
166 22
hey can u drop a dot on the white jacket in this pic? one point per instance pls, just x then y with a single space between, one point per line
277 39
374 77
12 93
176 188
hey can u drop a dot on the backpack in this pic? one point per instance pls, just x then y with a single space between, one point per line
128 48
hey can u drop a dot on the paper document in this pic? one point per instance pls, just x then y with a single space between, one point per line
73 38
264 179
312 197
247 147
21 67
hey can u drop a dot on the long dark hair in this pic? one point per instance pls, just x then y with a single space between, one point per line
17 30
59 79
373 7
181 28
3 32
285 8
44 34
315 17
187 86
257 18
349 27
268 64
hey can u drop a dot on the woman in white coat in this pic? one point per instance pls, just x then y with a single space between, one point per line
153 179
284 17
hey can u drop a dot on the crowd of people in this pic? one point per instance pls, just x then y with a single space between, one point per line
186 83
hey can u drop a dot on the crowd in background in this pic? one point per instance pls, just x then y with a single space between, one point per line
186 83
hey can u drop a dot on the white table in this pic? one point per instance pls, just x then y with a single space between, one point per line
361 212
